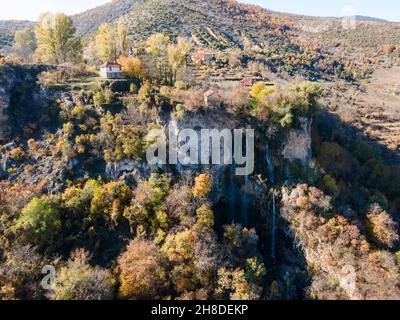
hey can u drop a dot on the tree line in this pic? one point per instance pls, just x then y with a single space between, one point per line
53 40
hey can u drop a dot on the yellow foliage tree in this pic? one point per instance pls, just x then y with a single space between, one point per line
257 88
205 216
142 273
25 42
55 39
105 44
132 67
203 185
177 56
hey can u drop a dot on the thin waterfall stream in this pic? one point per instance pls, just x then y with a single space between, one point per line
271 178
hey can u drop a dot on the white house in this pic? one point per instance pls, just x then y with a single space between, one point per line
111 70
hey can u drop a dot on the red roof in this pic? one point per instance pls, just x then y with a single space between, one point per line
247 82
201 55
112 64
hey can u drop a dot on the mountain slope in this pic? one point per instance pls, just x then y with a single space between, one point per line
89 21
215 23
8 29
371 19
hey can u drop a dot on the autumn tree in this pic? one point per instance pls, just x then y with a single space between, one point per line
132 67
122 41
146 207
156 48
25 42
232 284
236 99
78 280
193 255
20 274
56 40
177 55
105 44
108 201
205 216
166 57
39 223
202 186
142 272
111 42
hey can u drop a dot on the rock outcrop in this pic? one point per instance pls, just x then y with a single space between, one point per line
298 143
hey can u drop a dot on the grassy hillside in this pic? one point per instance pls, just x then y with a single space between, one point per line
217 23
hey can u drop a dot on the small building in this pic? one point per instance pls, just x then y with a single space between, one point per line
248 82
212 99
203 57
111 70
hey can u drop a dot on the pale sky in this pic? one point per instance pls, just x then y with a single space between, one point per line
385 9
31 9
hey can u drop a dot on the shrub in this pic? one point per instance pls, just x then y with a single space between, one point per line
363 151
121 140
257 88
180 111
78 280
286 108
17 154
159 185
50 78
337 161
329 184
255 271
397 257
21 273
180 85
109 96
133 88
381 226
145 92
99 98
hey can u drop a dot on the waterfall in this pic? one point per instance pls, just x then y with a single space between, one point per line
271 178
232 196
244 197
270 166
273 227
4 163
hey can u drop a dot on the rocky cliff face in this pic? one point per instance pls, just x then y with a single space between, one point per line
18 92
6 83
23 107
298 143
